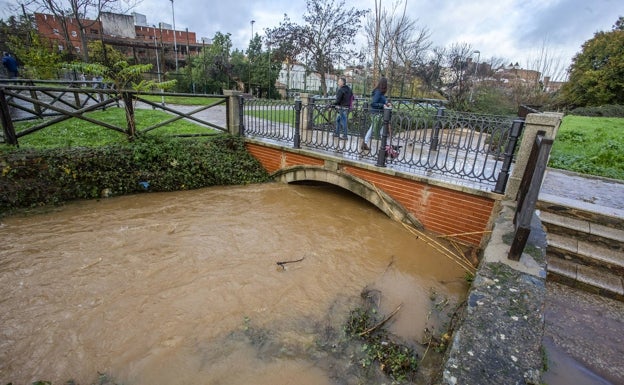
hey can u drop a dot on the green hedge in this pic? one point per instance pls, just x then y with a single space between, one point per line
609 111
40 177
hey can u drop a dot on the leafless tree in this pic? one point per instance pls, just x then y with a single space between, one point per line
398 42
547 63
325 38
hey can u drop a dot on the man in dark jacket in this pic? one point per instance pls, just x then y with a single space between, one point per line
10 64
343 102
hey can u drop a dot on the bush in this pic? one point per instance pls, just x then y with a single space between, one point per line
607 111
52 176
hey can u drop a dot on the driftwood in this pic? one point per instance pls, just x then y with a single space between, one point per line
377 326
282 263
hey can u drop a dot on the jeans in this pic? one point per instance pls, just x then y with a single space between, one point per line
341 120
375 125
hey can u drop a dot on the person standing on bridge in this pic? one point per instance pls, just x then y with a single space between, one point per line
343 103
378 102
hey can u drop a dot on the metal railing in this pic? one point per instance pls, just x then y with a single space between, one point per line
419 138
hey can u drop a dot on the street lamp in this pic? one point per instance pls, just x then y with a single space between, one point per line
175 44
478 58
158 64
248 52
269 71
475 72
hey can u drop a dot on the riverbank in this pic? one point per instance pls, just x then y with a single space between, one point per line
500 338
568 336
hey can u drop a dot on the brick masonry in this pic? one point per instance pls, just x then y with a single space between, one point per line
441 210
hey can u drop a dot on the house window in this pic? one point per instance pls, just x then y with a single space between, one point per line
55 31
74 34
77 49
94 31
60 47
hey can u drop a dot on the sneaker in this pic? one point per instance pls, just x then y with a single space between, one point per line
335 135
365 147
344 137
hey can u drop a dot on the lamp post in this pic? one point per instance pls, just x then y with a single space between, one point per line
475 72
269 72
248 52
478 58
175 43
158 64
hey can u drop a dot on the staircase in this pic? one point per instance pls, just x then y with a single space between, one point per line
585 244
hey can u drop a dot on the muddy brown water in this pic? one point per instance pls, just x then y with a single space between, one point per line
183 287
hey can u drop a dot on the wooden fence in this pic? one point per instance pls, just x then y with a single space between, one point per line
62 100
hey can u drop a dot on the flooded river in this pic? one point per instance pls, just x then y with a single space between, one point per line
184 287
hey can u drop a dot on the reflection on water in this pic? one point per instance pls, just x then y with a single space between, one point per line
184 288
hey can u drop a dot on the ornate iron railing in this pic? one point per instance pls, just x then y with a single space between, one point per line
422 137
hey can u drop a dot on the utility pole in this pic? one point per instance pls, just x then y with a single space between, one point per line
175 44
162 102
269 72
475 73
248 56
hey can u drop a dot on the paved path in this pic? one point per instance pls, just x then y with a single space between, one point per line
584 333
594 191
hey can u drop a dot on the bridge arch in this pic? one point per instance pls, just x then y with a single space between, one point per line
356 185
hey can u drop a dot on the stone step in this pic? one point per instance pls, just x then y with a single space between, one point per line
586 211
585 252
588 278
580 229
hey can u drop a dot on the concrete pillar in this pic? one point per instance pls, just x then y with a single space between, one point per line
233 111
548 122
306 114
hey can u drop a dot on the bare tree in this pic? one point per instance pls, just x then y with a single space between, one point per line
398 43
286 48
85 13
374 34
547 63
330 28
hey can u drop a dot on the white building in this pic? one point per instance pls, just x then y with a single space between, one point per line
293 77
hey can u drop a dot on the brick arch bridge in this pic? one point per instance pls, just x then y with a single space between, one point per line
462 213
356 185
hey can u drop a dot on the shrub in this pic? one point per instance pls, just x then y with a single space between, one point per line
52 176
608 111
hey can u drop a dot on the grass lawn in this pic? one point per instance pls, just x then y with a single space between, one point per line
79 133
590 145
282 116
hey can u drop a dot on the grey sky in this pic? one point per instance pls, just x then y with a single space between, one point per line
514 30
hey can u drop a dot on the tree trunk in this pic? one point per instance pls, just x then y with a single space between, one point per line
85 48
376 70
131 123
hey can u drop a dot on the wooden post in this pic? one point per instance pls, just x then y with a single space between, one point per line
130 120
7 124
528 193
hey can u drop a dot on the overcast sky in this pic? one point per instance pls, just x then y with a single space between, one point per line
514 30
